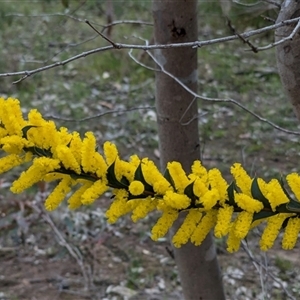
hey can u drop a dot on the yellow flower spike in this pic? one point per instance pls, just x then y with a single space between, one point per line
75 146
181 181
120 206
209 199
242 179
110 152
163 224
124 168
291 234
223 220
216 181
65 155
134 160
276 195
42 134
248 203
136 188
36 172
205 225
242 224
293 180
144 207
176 201
271 231
154 177
11 116
75 200
13 144
3 131
200 171
187 228
58 194
233 242
199 188
10 161
95 191
87 150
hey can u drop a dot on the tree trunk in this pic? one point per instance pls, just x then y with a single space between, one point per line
288 54
176 22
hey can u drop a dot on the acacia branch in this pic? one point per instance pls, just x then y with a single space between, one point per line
117 46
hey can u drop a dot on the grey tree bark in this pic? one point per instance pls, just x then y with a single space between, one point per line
288 54
176 22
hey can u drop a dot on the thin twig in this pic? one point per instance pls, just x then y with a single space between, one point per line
258 265
245 41
62 241
102 35
218 100
98 115
290 37
196 44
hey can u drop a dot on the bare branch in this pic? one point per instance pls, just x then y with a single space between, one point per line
73 251
98 115
196 44
290 37
102 35
259 266
219 100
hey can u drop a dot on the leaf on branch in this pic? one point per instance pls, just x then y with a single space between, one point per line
230 191
39 151
25 130
189 191
113 181
168 176
258 195
138 175
263 215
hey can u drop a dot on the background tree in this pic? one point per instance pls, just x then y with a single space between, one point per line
198 267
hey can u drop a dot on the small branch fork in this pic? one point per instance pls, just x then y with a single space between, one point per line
197 44
217 100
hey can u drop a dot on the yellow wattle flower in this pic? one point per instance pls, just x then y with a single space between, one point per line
75 200
35 173
163 224
65 155
233 242
94 192
110 152
293 180
143 208
248 203
242 224
10 161
58 194
276 196
223 221
216 181
271 231
242 179
136 188
199 171
205 225
176 201
11 117
291 233
187 228
181 181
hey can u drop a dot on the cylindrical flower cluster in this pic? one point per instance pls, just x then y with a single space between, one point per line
83 174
